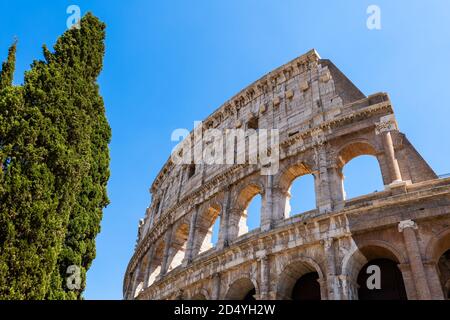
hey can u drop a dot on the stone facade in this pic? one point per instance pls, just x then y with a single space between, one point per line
324 122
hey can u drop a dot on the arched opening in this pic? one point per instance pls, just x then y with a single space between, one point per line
366 254
307 287
179 243
300 280
247 215
384 282
198 296
241 289
215 232
250 296
253 213
302 195
444 273
298 190
155 264
363 175
439 251
207 229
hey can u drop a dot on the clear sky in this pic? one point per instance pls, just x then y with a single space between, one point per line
169 63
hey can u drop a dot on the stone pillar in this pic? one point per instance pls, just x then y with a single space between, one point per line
408 280
324 200
415 259
431 270
332 283
390 155
234 219
149 265
267 216
349 287
135 282
215 295
384 128
167 251
336 179
280 204
323 289
222 241
265 277
191 238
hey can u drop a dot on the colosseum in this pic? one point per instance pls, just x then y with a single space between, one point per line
324 121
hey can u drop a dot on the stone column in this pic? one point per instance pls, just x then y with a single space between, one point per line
265 277
323 289
384 128
191 238
408 281
349 287
167 251
280 204
149 265
324 200
234 218
222 241
215 295
390 155
332 283
267 218
135 281
431 270
415 259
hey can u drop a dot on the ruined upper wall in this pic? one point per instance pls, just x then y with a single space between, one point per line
294 97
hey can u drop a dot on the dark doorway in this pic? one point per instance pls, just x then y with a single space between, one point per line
444 273
391 282
307 287
250 295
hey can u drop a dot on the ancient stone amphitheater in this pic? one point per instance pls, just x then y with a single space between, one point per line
324 122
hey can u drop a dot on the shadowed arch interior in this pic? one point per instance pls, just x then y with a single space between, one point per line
205 227
298 189
391 286
241 289
248 202
179 244
290 277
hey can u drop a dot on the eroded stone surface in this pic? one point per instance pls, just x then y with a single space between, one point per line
325 122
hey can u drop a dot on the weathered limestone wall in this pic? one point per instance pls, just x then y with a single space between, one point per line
324 122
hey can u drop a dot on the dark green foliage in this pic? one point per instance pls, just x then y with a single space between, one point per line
8 67
54 153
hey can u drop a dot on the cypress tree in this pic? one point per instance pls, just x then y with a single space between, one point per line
55 168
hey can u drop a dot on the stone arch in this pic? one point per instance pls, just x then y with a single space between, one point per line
238 213
241 287
208 214
293 271
437 254
362 253
438 245
353 149
178 244
156 263
246 193
200 294
284 184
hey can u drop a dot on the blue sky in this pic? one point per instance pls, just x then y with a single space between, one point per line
169 63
